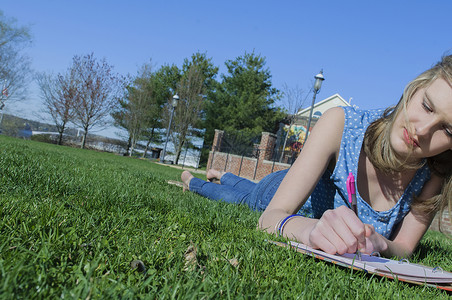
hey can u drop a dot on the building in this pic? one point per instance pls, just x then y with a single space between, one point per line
322 106
302 117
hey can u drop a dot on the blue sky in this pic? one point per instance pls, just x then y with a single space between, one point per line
369 50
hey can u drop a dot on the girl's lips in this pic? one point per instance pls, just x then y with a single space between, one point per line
408 139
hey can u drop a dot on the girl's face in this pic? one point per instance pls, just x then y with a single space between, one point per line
426 129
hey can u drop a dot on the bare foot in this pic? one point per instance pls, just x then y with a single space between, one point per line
186 177
214 175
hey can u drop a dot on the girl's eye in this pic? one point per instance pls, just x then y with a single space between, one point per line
426 106
448 131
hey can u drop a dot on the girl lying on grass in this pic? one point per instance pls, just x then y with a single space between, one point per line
401 158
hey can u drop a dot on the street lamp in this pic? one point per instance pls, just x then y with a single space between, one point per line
317 85
173 104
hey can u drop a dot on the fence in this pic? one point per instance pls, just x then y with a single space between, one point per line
248 156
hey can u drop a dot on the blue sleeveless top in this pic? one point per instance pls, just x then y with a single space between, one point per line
331 191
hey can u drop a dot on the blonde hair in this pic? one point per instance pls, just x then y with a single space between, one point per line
377 146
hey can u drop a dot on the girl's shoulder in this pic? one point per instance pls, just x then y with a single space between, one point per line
334 115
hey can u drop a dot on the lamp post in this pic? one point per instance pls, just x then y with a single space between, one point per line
317 85
173 104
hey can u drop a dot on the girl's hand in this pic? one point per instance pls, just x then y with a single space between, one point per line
374 241
341 231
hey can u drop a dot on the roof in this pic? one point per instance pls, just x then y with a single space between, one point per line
336 98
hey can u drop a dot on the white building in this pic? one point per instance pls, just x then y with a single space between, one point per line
322 106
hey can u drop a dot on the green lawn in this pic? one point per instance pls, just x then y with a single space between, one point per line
73 220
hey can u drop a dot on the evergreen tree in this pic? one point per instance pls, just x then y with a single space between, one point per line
244 101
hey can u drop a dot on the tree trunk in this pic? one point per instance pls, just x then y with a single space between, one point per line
60 138
148 143
146 148
85 134
178 152
60 134
285 141
132 144
129 141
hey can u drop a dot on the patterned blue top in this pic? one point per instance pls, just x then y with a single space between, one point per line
331 191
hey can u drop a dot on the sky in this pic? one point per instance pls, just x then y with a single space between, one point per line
368 50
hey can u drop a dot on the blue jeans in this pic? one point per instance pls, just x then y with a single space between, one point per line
235 189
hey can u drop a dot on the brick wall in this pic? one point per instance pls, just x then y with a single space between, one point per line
247 167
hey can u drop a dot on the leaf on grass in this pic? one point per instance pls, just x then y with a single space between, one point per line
234 262
190 258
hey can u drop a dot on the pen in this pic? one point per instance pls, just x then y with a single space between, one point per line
351 191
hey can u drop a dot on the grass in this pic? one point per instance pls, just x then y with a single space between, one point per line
73 220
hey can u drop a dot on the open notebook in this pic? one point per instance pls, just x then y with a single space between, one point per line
403 270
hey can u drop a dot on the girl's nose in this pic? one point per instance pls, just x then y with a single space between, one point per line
426 126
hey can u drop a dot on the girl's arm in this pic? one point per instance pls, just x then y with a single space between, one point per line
410 231
339 230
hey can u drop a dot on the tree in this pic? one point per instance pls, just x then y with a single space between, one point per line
244 100
119 115
14 65
197 78
59 96
293 102
98 89
163 84
140 112
134 109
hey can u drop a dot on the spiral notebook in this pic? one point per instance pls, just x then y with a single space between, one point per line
402 270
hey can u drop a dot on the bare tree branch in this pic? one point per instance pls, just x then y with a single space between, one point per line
98 89
188 111
59 94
